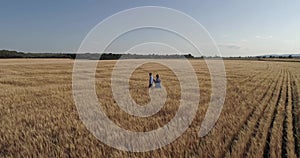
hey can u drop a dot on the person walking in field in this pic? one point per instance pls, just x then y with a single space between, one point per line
151 80
157 81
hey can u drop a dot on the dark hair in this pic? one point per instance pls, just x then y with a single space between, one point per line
150 74
157 75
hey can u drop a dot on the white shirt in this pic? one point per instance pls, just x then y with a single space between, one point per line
151 80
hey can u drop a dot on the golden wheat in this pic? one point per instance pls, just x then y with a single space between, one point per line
260 116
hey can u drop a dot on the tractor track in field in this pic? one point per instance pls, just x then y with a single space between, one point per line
276 80
257 124
264 108
294 115
274 114
269 68
258 85
265 79
284 152
250 115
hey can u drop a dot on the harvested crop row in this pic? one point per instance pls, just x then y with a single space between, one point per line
258 142
250 127
288 148
274 146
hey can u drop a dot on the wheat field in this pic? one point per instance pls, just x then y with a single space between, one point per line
260 117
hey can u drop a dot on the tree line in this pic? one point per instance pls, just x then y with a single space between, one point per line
91 56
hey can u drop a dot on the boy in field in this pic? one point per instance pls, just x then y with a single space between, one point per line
150 80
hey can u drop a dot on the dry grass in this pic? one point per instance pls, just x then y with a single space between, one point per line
260 117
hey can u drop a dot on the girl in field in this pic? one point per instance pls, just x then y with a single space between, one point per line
157 81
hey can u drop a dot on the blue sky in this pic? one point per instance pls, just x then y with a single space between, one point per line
240 28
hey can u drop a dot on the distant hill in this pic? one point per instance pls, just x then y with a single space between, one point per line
280 56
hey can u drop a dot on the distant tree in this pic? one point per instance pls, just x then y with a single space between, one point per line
189 56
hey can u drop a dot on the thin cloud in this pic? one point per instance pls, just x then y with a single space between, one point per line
230 46
263 37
